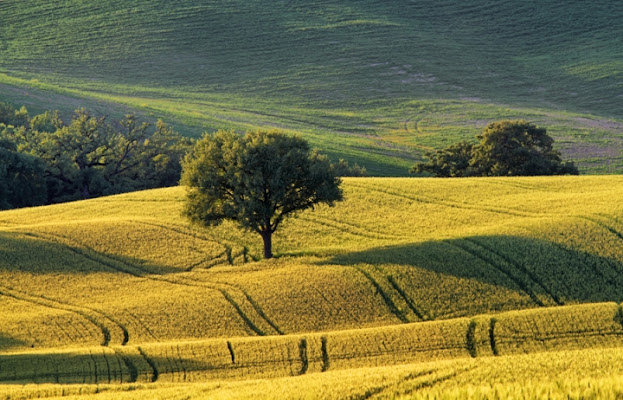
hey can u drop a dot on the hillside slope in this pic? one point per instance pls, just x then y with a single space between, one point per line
128 268
371 81
459 278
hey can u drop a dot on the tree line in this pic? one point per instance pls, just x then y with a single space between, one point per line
257 180
45 160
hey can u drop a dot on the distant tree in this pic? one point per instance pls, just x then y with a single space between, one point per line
516 147
342 168
141 159
453 161
76 155
256 180
506 148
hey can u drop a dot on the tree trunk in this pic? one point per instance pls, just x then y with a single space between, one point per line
85 192
267 236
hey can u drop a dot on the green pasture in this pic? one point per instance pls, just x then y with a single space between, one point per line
374 82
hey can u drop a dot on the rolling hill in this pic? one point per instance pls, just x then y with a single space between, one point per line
374 82
452 278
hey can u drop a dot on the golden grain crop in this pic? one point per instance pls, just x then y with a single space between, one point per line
124 279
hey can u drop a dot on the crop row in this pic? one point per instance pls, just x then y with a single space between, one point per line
516 332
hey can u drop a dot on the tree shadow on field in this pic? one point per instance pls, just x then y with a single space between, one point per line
81 366
32 255
218 359
540 269
9 342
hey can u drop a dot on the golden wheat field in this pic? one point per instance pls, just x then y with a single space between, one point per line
414 288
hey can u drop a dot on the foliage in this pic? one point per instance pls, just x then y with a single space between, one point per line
11 116
342 168
506 148
511 148
21 178
89 157
257 181
448 163
49 121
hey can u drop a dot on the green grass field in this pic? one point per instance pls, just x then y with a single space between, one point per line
410 287
374 82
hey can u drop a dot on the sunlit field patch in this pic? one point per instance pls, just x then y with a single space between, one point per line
122 290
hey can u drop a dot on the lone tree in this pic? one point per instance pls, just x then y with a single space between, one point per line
506 148
256 180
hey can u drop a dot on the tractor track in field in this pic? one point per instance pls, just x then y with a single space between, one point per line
531 275
224 257
349 228
407 122
182 230
604 225
415 309
401 294
93 316
143 273
612 276
438 380
378 390
386 297
505 271
391 293
381 391
415 121
615 278
132 369
452 204
142 325
155 373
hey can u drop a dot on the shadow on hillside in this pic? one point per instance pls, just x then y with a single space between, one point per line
31 255
9 342
103 365
532 266
92 366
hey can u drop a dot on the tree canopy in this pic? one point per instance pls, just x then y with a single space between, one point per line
505 148
256 180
